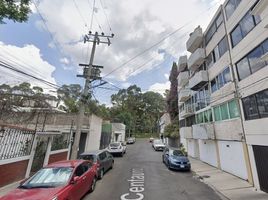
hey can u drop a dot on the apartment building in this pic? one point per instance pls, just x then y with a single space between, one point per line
223 91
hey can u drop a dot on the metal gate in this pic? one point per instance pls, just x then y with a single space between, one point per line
261 159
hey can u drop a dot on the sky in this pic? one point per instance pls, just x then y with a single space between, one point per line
50 44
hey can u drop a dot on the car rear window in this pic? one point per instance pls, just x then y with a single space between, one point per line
114 144
91 158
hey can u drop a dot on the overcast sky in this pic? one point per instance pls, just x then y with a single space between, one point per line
137 25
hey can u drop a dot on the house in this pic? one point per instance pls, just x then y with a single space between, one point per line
223 91
118 132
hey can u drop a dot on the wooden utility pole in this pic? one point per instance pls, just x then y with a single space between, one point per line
91 73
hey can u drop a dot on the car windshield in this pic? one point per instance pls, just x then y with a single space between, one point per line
158 142
91 158
49 177
114 144
177 153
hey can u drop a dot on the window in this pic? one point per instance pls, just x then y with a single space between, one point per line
210 59
217 113
213 28
265 46
230 7
79 170
256 105
236 36
252 61
204 117
220 80
213 86
224 112
250 108
223 46
190 121
247 23
216 54
233 109
226 75
243 69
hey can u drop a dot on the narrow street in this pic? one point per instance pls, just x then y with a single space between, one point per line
159 182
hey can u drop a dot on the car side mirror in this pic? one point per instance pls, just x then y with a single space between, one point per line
75 179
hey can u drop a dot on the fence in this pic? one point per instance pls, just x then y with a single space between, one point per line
15 142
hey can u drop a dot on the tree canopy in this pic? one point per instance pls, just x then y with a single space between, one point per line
14 10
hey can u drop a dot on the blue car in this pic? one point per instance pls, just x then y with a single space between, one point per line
176 159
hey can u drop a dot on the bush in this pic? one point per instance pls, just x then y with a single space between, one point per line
172 131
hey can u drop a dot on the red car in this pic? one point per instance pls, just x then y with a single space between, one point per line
64 180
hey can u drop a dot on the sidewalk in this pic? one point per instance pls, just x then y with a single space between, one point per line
6 189
227 185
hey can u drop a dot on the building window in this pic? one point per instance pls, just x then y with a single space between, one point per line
226 111
247 23
213 28
220 80
256 105
204 117
252 61
202 98
223 46
230 7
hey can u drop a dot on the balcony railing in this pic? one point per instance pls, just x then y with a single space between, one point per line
195 40
196 59
198 80
184 95
182 64
204 131
188 111
183 78
186 132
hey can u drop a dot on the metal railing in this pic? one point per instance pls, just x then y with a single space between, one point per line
15 142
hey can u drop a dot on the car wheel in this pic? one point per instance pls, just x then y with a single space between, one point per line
101 174
93 184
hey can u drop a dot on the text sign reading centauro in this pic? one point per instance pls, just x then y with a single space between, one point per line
136 186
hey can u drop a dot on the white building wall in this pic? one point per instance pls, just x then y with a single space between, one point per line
232 158
94 135
120 130
208 152
193 149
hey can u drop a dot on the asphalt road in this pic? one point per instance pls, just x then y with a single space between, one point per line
143 165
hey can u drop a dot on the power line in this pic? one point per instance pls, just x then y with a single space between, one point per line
78 10
108 22
159 42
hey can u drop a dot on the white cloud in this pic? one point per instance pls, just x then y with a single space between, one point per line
65 61
160 87
126 84
27 59
137 26
166 76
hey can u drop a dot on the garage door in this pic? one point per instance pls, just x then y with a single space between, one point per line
232 158
193 149
208 152
261 159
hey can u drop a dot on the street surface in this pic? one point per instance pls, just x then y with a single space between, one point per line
140 174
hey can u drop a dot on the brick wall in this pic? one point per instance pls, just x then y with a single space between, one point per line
12 172
57 157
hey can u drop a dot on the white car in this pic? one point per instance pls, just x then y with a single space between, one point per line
158 145
131 140
117 148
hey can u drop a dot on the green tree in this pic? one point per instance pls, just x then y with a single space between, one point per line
16 10
172 131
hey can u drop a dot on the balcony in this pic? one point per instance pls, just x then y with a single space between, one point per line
259 7
204 131
186 132
188 111
183 78
198 80
195 40
184 95
196 59
182 64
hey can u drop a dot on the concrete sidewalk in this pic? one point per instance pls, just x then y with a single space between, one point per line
227 185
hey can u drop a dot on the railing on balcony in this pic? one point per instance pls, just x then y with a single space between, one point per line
195 40
204 131
198 80
182 64
183 78
184 95
188 111
196 59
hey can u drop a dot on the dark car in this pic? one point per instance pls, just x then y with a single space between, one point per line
176 159
102 158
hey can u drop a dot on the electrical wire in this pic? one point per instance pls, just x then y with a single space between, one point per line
108 22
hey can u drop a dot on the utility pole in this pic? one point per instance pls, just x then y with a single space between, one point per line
91 72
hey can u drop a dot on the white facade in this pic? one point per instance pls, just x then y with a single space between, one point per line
208 152
164 121
118 132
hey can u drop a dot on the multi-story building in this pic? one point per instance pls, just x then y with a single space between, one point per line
223 91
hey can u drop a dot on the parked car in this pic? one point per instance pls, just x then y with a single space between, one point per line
58 181
101 158
131 140
118 148
151 139
158 145
176 159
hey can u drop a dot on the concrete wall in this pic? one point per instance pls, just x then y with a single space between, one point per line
120 130
229 130
193 148
232 158
208 152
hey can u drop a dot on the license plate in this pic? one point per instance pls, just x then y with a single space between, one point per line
182 166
